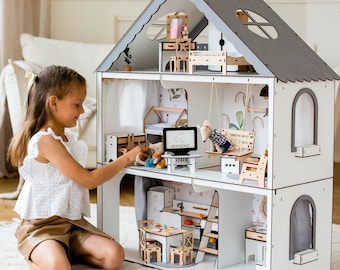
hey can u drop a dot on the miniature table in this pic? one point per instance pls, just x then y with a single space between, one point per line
167 236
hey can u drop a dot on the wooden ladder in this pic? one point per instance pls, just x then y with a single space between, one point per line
207 233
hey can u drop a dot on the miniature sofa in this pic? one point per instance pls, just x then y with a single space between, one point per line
39 52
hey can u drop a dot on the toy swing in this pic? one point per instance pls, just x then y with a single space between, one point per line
242 141
218 142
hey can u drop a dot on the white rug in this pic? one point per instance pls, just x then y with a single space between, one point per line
336 247
10 258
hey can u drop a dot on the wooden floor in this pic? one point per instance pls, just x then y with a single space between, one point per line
336 194
127 197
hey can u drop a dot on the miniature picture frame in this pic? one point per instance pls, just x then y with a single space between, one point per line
175 24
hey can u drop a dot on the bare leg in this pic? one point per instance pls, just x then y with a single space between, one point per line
49 255
101 252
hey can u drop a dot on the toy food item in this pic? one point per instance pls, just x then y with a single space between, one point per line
188 222
161 164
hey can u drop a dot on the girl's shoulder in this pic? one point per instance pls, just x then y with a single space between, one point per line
69 135
78 149
37 136
50 135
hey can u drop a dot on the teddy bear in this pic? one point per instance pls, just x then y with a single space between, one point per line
220 143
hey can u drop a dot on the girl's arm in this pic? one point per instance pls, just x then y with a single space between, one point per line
51 150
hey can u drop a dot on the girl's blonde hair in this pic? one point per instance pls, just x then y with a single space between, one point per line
53 80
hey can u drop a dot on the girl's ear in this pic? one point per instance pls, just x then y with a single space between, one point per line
52 102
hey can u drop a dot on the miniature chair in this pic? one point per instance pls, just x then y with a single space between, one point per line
146 249
147 223
172 63
185 249
183 47
254 170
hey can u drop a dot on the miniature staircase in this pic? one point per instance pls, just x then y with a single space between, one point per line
207 234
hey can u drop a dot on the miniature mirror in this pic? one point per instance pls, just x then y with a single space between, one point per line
158 29
175 25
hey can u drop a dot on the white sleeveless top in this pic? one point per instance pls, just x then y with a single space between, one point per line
47 191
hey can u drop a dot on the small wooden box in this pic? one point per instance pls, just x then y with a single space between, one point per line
115 142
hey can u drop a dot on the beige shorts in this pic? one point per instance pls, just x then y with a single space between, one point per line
70 233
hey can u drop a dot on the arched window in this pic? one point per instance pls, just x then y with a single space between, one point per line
304 120
302 225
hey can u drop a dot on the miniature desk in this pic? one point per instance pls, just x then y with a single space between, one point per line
167 238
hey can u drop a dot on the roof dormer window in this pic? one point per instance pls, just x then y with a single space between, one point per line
257 24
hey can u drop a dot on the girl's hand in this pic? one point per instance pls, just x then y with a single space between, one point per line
142 152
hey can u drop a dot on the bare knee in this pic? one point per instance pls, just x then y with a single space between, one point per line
114 256
49 255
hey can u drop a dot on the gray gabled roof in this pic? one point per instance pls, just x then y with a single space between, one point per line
278 51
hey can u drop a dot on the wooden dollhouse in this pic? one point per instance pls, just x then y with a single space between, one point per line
292 122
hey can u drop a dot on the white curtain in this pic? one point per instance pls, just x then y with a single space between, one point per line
16 17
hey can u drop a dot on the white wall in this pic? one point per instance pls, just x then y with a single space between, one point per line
94 21
316 22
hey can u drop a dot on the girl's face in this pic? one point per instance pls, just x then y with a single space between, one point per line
70 107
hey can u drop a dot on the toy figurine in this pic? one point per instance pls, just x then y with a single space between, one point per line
220 143
185 32
155 160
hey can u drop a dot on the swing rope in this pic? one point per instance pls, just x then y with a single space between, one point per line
212 90
246 104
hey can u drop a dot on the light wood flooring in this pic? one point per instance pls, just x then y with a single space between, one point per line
127 196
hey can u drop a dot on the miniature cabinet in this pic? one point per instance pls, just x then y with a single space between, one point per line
158 198
294 124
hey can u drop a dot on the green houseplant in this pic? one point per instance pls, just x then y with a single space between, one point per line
127 58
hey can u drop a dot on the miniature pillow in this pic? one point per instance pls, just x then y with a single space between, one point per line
82 57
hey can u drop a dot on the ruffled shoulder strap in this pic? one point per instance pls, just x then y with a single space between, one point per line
33 144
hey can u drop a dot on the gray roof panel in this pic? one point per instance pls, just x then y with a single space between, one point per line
288 57
285 56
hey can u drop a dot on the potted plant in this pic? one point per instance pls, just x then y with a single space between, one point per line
127 59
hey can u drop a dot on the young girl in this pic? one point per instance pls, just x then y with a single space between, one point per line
55 196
